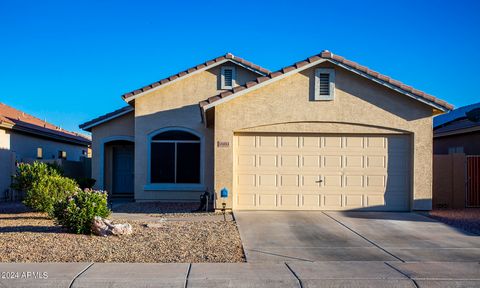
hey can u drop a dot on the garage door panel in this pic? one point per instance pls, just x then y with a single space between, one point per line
289 200
332 142
353 161
332 181
332 161
311 142
354 181
332 201
289 161
311 161
247 200
267 200
356 172
247 161
266 181
310 181
354 143
289 180
267 161
246 180
311 200
353 201
267 142
376 142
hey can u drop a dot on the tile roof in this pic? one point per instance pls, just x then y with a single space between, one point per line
19 120
335 59
89 124
206 64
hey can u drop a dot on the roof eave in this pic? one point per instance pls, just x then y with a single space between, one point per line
135 96
88 127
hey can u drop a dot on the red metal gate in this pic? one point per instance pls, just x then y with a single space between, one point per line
473 181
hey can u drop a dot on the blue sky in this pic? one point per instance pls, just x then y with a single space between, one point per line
69 61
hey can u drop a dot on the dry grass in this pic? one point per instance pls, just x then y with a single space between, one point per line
32 237
466 219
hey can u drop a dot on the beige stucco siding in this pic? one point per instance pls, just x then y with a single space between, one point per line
121 128
176 105
360 106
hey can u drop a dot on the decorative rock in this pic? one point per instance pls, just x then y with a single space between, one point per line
103 227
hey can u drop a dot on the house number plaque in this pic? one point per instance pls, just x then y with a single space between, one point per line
223 144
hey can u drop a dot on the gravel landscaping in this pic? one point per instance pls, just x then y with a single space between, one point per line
466 219
27 236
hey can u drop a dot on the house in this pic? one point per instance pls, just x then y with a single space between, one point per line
322 134
456 148
458 131
24 138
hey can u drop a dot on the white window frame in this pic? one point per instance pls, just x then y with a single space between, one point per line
174 186
331 78
222 77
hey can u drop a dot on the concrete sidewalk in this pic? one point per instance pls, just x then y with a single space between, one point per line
287 274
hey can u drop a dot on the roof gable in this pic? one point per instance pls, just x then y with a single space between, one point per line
315 60
193 70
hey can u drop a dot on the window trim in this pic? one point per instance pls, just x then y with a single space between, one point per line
149 186
222 77
331 78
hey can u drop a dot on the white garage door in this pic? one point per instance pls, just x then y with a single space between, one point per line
322 172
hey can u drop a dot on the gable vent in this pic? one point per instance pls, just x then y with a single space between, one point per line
228 77
324 84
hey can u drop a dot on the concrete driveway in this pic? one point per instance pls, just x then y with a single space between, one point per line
277 236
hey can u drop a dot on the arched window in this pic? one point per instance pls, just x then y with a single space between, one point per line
175 158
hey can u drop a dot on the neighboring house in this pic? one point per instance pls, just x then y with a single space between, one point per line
24 138
322 134
458 131
456 145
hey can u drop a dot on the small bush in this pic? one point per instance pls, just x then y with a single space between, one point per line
77 212
43 185
28 174
47 191
86 183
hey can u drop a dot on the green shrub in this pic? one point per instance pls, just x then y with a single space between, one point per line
47 191
76 213
28 174
43 185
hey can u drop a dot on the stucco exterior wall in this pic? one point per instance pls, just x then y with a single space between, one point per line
25 147
360 106
176 105
6 161
121 128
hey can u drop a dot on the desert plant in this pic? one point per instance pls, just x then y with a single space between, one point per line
28 174
48 190
42 184
77 212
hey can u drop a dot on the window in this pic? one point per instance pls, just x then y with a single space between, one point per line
62 154
39 153
175 158
228 77
324 84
